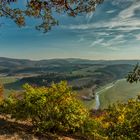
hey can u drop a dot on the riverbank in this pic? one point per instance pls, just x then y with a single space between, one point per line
100 91
120 91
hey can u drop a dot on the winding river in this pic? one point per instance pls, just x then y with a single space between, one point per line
97 99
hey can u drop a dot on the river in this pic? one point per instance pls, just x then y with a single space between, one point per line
97 99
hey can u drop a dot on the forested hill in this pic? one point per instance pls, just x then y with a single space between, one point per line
7 62
80 73
14 66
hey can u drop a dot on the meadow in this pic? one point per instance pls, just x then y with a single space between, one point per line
121 91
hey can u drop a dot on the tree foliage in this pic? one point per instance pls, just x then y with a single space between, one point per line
44 10
1 92
134 75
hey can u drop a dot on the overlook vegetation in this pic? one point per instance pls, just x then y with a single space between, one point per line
54 109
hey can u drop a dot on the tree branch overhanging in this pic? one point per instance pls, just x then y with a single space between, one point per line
44 9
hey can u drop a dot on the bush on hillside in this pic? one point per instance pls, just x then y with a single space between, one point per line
122 121
1 92
53 108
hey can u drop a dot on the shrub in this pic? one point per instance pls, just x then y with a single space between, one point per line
53 108
1 92
123 121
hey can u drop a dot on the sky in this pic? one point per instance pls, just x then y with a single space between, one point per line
111 32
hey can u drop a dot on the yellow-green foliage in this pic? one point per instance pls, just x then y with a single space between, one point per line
123 121
1 92
53 108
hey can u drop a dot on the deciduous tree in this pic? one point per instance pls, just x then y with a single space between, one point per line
18 10
134 75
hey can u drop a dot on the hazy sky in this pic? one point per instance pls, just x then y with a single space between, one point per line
112 32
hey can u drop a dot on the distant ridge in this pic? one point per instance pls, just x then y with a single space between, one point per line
27 62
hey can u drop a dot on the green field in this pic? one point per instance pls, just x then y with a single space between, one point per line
89 70
121 91
89 104
7 80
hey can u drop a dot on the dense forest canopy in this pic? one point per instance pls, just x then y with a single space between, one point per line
44 10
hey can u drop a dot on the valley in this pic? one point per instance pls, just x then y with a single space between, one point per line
94 81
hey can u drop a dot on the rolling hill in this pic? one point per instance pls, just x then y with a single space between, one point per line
81 74
14 67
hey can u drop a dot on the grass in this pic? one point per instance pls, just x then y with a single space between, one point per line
89 104
87 71
7 79
121 91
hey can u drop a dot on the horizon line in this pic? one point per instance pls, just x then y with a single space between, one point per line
63 58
